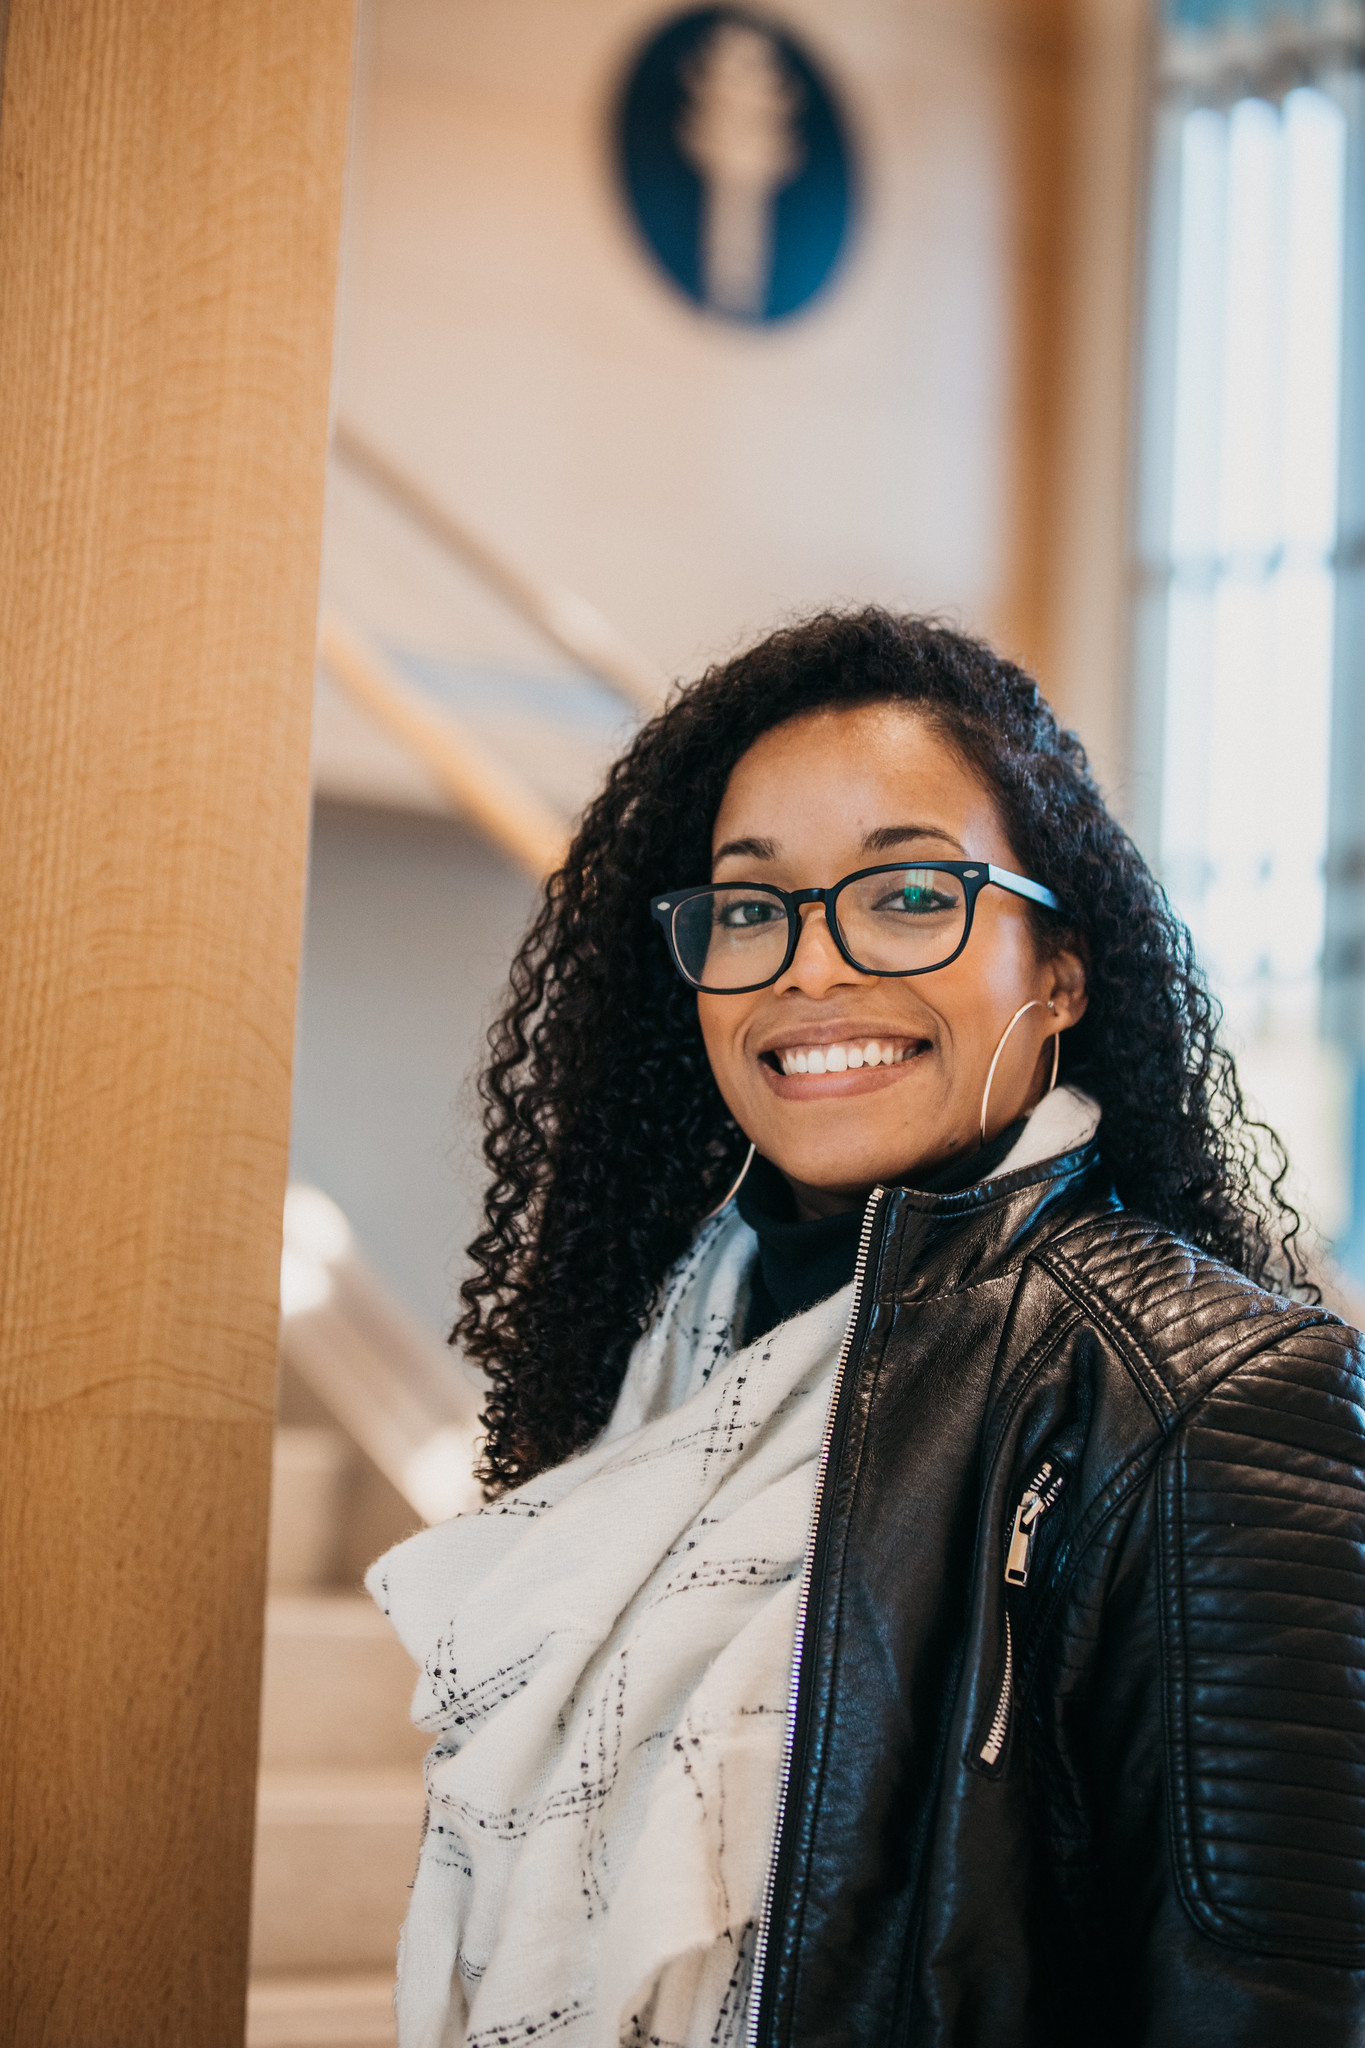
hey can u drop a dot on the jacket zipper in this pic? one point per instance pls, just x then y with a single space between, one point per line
794 1690
1039 1495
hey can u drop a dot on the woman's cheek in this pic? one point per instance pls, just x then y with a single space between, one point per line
723 1051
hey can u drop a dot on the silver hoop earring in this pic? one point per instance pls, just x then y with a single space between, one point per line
730 1194
1036 1004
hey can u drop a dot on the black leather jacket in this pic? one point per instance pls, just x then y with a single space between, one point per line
1079 1742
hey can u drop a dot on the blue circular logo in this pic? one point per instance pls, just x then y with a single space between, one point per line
736 163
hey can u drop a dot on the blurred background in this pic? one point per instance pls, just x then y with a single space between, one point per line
658 326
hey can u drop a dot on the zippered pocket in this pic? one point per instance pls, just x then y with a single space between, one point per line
1039 1496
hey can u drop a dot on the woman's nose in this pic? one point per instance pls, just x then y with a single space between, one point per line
817 963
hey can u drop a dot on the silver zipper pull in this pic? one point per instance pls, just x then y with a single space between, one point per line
1040 1495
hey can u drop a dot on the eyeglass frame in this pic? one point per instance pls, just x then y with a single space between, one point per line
974 875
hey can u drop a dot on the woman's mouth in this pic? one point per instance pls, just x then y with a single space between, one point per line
844 1057
802 1072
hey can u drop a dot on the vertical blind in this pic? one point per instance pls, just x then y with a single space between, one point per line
1250 619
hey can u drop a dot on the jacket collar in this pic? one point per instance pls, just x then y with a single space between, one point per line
940 1244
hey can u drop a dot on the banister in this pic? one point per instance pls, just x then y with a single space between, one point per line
568 621
393 1387
501 802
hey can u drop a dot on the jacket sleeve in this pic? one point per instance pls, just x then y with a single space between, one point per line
1229 1720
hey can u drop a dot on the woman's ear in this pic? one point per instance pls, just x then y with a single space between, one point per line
1066 993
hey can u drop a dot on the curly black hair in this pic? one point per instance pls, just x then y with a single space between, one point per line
605 1132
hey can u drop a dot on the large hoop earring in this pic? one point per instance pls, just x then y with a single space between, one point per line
1036 1004
731 1192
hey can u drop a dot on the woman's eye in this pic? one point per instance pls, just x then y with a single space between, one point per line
739 917
914 900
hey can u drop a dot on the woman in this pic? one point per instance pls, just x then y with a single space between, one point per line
920 1595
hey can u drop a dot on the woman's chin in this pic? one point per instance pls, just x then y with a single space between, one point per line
839 1175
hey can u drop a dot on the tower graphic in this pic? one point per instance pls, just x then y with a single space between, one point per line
737 128
734 160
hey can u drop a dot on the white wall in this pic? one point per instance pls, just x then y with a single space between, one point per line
505 335
412 922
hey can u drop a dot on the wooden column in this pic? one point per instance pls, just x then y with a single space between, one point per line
1075 105
1089 644
170 185
1039 38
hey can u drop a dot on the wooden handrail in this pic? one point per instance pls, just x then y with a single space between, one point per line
568 621
393 1387
501 803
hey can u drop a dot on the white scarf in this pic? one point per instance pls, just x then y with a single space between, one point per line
606 1655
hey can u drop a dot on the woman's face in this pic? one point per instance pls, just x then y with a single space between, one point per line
811 801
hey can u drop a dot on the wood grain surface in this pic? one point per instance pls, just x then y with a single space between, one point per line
170 185
1039 236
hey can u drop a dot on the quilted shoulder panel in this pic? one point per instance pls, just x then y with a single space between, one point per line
1190 1318
1263 1537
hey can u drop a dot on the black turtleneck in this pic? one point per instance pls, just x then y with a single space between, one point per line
802 1263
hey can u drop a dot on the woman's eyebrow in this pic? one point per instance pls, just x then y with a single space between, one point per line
887 836
756 849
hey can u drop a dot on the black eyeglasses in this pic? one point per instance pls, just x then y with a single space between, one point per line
729 938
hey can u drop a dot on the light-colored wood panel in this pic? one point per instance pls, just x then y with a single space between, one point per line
164 356
1038 82
129 1699
1088 678
1074 95
169 202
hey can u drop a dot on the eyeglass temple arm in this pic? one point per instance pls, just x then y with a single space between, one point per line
1020 885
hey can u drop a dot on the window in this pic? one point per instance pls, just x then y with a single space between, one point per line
1245 634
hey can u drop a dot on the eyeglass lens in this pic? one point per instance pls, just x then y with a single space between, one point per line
898 921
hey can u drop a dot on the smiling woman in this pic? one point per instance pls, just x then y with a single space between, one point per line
876 1630
608 1134
923 967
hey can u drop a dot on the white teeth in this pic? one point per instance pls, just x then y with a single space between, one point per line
840 1059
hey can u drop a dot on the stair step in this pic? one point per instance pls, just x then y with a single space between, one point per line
321 2012
335 1855
337 1686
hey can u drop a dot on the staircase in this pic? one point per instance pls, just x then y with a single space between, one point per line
340 1801
374 1437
